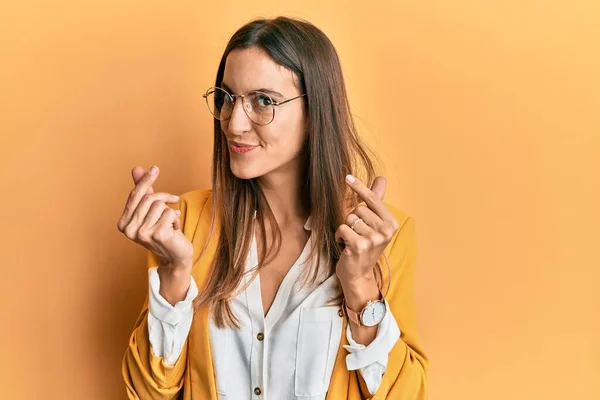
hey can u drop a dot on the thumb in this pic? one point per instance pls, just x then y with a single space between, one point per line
378 187
137 173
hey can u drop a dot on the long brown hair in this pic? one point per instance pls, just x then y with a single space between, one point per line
333 150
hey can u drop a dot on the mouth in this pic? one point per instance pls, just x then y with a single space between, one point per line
239 148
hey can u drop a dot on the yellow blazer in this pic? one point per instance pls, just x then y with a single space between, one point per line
192 377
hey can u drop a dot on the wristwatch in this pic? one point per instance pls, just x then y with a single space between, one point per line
371 315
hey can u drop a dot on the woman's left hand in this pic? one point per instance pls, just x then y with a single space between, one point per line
366 242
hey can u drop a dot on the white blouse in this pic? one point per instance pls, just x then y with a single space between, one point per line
287 354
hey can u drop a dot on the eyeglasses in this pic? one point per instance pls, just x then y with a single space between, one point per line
258 106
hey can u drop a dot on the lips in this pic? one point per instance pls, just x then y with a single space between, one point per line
241 148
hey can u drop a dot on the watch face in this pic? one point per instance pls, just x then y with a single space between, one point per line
373 313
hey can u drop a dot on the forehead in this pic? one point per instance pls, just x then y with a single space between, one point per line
253 69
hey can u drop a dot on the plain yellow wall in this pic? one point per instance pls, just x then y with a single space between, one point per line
485 114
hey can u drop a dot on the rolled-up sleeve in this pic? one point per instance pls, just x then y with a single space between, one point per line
168 326
372 360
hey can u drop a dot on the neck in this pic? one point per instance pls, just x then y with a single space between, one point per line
282 189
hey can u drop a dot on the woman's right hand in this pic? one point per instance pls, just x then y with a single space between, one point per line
148 220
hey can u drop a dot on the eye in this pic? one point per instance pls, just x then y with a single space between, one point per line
261 100
221 98
227 99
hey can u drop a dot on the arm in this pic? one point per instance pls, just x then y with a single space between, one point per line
405 377
168 325
147 375
371 360
371 232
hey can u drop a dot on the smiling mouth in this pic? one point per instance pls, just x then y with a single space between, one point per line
241 149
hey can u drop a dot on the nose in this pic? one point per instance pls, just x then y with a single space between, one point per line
239 122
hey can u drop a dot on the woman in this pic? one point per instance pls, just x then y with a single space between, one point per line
271 285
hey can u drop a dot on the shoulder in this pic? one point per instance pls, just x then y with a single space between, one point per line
401 216
405 236
196 198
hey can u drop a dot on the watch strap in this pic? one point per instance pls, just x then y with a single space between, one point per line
356 317
352 316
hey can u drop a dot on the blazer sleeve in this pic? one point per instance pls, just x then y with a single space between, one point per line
406 375
146 375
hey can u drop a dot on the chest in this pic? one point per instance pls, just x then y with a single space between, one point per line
288 354
275 268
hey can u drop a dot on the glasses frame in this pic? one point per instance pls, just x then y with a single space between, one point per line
243 96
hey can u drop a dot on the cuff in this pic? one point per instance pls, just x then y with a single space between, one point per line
160 308
372 359
360 355
168 326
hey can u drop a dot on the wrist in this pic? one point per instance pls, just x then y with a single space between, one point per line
359 291
174 282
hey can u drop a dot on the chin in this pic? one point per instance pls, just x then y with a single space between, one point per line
244 172
256 168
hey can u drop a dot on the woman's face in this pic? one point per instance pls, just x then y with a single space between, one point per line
279 143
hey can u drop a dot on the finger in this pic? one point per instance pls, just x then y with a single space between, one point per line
370 198
345 234
177 223
136 217
142 186
361 227
354 243
151 218
367 215
378 187
165 222
138 173
150 199
145 181
155 212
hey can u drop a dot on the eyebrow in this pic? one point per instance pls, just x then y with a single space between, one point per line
264 90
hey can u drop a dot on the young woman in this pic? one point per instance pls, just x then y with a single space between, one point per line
291 278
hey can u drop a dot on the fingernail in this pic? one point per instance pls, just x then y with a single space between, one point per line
153 171
350 178
178 212
176 197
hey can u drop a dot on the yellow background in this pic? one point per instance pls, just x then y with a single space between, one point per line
485 114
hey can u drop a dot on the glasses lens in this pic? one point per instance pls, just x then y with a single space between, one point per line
259 107
220 103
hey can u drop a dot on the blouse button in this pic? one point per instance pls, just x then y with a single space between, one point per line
340 312
260 337
257 391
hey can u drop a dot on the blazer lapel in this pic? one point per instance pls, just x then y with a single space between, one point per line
343 385
201 365
338 386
